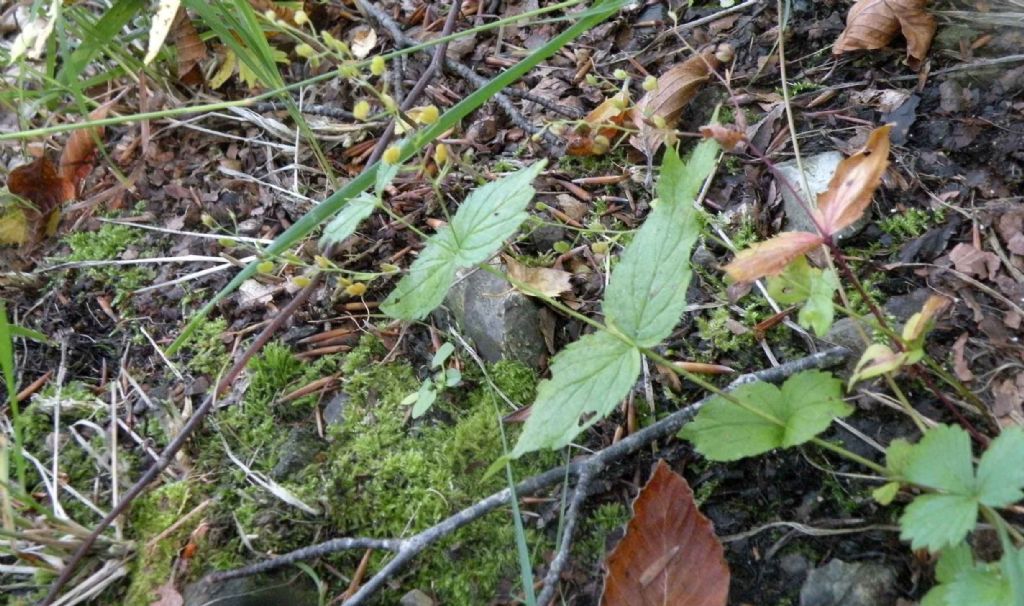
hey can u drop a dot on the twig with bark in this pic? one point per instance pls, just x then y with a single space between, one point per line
584 470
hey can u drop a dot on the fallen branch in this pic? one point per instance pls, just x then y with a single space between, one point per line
584 470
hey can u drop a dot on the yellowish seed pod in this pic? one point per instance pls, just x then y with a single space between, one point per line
270 15
388 102
377 65
620 74
441 154
392 155
650 83
301 281
356 289
361 110
301 18
305 51
265 267
429 114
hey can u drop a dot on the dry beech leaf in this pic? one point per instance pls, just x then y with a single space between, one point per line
676 87
770 257
605 121
731 138
872 24
41 184
670 554
191 50
550 282
363 41
76 159
854 182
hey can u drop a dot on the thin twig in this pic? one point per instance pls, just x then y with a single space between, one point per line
167 456
407 549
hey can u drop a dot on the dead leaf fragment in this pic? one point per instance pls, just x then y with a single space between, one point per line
549 282
676 87
854 183
363 41
168 595
604 121
191 50
960 367
770 257
973 262
77 158
670 554
872 24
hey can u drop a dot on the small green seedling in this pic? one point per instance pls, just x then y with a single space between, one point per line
444 378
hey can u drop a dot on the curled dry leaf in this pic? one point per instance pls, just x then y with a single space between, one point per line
549 282
191 50
770 257
854 182
872 24
47 187
363 41
676 87
670 554
731 138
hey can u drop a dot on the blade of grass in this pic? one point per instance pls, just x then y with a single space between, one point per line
103 32
324 210
7 367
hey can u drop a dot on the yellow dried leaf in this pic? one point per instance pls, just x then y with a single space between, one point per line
13 227
549 282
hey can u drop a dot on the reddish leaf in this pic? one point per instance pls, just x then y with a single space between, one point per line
40 184
854 182
79 152
872 24
191 49
731 138
670 555
770 257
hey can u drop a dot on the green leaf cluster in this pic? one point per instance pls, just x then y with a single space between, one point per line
764 417
941 463
646 296
815 288
964 581
483 222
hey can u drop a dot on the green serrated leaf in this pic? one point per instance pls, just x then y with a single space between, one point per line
491 214
647 290
385 175
793 285
885 493
942 460
588 379
345 222
818 312
953 561
803 408
897 455
936 521
429 277
1000 474
980 586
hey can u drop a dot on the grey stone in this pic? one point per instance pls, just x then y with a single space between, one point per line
794 564
252 591
334 412
902 307
819 169
845 334
502 322
297 451
416 598
545 236
840 583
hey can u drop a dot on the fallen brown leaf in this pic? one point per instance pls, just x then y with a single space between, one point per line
549 282
973 262
731 138
676 88
77 158
191 49
854 182
872 24
770 257
960 367
168 595
670 554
